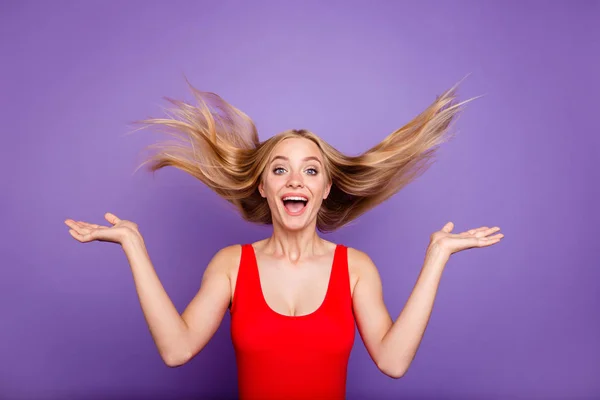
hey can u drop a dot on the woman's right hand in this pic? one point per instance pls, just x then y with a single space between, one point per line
120 231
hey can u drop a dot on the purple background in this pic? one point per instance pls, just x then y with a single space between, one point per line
516 320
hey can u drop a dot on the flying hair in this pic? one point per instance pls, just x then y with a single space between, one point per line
218 144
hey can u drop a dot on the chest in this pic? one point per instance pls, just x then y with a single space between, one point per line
294 290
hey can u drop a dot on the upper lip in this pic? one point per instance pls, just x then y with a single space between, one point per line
294 195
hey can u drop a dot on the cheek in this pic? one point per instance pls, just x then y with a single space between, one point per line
271 185
318 186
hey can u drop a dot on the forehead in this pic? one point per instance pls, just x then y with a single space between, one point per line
296 148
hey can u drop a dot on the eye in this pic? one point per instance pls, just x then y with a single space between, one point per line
277 169
314 171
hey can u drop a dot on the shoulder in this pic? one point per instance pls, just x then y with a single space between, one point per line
229 252
367 282
359 259
225 260
360 264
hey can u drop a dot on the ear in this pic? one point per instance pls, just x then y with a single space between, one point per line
261 189
327 190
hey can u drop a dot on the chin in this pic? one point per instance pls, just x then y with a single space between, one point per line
292 224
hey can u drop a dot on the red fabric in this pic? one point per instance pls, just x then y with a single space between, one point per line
283 357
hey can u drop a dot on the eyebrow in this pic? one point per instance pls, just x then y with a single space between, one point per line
304 159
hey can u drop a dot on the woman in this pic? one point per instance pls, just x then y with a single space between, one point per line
293 297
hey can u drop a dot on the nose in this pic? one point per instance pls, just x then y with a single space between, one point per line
295 180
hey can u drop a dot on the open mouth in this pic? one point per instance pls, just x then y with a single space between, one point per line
294 205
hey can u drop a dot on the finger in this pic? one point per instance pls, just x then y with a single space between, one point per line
82 229
489 231
490 240
82 238
69 222
488 243
475 230
74 225
485 231
448 227
461 235
88 225
112 218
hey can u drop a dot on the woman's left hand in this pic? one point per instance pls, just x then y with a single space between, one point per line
451 243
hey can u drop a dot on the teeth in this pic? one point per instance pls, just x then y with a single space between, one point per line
295 198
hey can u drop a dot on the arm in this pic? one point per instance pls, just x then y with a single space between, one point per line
392 346
179 337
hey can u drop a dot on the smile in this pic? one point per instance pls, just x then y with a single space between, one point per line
294 204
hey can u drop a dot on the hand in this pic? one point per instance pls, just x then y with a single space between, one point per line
119 232
451 243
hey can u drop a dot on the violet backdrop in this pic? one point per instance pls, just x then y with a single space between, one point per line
517 320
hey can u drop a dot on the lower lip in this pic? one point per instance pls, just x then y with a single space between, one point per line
296 213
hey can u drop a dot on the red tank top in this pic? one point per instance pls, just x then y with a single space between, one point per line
291 357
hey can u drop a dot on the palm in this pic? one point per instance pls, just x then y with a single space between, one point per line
87 232
455 242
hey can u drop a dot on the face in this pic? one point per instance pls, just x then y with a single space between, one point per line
295 183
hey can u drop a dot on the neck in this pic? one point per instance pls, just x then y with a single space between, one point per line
294 245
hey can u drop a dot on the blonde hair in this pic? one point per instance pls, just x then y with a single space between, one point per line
218 144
